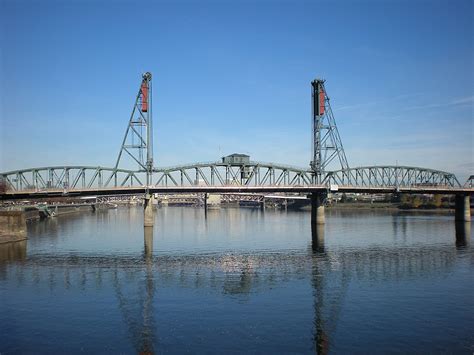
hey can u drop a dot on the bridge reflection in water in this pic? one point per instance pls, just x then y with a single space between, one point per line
135 279
463 233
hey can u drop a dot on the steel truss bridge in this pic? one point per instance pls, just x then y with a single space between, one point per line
225 176
219 177
221 174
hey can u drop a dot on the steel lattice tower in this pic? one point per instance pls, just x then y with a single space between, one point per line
139 134
327 144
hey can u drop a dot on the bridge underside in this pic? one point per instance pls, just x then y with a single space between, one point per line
218 174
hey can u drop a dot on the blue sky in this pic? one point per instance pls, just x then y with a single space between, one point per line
234 76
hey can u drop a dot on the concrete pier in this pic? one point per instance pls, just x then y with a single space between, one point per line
463 233
463 208
149 217
213 200
317 238
148 240
12 226
317 208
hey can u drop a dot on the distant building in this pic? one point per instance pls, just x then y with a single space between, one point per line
236 159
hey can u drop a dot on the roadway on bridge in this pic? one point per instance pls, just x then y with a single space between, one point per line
33 194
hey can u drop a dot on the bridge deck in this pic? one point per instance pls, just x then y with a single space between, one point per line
31 194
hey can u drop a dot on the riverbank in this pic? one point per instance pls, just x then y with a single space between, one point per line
41 211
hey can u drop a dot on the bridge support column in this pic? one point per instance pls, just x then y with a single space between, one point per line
149 217
463 233
317 238
463 208
148 239
262 204
317 208
205 205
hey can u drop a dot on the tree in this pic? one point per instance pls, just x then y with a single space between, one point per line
405 199
416 202
437 201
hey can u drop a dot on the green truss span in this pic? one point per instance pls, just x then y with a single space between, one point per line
222 174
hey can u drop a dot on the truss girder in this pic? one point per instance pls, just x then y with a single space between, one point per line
70 177
220 174
469 182
391 176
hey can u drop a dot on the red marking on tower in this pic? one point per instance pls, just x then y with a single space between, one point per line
321 102
144 90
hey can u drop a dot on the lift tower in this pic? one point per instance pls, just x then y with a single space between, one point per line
327 144
139 134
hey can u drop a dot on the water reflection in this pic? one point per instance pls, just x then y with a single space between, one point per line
324 267
330 282
148 240
317 238
137 304
399 221
240 282
376 263
148 330
321 339
13 251
463 233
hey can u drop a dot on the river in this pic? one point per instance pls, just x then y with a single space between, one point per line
239 280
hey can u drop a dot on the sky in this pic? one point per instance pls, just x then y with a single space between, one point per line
234 76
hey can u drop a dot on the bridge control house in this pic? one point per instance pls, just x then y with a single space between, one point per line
238 159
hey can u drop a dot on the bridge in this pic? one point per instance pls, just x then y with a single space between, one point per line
235 173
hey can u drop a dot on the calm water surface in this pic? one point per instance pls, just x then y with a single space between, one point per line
240 280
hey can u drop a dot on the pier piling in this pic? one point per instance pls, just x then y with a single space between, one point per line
463 208
317 208
149 218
